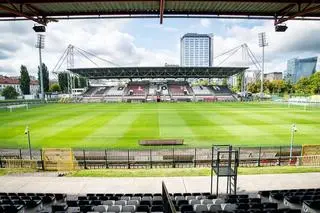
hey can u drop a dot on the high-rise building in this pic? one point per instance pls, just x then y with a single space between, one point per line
273 76
196 50
299 68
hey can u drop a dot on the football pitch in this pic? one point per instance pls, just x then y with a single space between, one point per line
120 125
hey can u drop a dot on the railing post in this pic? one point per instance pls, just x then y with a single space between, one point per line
173 163
84 159
279 163
128 159
239 148
41 158
0 161
20 156
106 158
259 156
195 158
150 157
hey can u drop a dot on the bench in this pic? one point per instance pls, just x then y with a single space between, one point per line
161 142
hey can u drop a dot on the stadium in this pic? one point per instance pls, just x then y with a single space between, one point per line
142 139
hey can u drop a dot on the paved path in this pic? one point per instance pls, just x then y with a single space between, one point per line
78 185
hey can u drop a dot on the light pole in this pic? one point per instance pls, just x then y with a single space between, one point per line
40 45
262 43
27 132
293 130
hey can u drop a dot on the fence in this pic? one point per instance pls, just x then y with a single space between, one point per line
154 158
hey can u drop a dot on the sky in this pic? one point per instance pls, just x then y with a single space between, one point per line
144 42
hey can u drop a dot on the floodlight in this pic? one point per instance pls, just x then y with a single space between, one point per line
281 28
39 28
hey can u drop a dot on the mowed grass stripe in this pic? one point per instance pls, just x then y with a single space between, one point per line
108 134
75 136
145 126
171 125
205 131
38 129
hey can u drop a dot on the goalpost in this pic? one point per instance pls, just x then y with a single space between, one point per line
12 107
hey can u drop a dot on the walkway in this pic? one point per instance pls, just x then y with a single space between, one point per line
76 185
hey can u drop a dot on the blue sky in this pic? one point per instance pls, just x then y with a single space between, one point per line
144 42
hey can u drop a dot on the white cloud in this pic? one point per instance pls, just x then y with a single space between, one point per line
205 22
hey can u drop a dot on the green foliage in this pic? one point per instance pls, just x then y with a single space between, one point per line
303 86
45 73
82 82
63 81
315 83
9 92
240 77
272 87
76 82
224 82
54 88
24 80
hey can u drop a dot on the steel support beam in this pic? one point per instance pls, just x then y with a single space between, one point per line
302 13
15 12
239 1
161 10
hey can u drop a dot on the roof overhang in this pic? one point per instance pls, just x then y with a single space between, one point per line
43 11
157 72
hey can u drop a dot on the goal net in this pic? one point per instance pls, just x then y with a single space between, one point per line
13 107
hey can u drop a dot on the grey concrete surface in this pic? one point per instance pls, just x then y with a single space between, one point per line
82 185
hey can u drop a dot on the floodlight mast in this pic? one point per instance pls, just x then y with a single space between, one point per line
40 45
262 43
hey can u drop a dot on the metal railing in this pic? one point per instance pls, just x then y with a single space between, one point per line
157 158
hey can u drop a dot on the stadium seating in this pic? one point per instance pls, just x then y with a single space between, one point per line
202 91
275 201
101 91
115 91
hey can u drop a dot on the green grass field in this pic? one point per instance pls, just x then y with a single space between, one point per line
122 125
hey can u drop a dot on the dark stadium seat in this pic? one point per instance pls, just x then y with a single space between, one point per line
186 208
143 208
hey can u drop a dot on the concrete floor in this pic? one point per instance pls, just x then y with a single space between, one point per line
82 185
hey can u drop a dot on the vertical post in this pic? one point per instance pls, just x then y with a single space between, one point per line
291 141
262 71
20 156
106 158
40 70
0 162
211 181
279 163
29 143
259 159
128 159
173 161
238 153
195 158
84 159
150 157
42 162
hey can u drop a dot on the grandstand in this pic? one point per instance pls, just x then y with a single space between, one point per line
150 88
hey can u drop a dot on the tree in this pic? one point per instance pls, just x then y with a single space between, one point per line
76 82
55 88
224 82
303 86
45 73
315 83
253 87
240 77
63 81
24 80
82 82
9 92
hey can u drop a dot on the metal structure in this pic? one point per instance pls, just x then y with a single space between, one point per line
249 59
27 132
262 43
40 45
293 130
44 11
225 162
68 58
157 72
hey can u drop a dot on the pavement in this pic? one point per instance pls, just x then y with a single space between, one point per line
83 185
